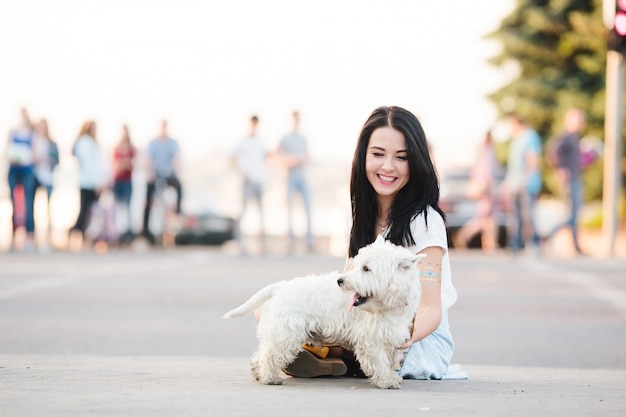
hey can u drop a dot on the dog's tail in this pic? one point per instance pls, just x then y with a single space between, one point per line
254 302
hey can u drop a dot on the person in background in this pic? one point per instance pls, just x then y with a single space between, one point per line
523 183
483 190
46 158
124 155
250 159
567 165
163 157
394 191
293 153
94 176
21 174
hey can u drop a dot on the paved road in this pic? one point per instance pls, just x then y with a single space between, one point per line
141 333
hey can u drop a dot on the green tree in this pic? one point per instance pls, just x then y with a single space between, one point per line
559 50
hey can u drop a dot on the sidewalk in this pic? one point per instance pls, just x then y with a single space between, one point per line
33 386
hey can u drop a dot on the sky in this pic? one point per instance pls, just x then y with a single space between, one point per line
206 66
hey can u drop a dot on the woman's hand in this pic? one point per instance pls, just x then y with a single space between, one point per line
407 344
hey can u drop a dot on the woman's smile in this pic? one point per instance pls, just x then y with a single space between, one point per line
385 179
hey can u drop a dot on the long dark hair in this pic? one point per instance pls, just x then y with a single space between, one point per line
421 190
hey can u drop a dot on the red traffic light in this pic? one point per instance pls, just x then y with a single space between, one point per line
617 34
620 22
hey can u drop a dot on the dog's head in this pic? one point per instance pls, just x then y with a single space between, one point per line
383 277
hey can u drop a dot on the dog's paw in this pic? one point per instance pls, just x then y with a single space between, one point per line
278 381
392 382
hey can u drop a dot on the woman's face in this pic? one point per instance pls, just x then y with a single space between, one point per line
386 161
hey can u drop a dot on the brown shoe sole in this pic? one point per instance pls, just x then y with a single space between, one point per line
307 365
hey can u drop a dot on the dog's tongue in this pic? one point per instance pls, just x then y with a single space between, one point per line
354 299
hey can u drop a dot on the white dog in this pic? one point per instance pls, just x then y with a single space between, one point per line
367 310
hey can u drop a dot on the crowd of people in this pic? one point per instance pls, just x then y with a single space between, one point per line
251 156
32 157
522 185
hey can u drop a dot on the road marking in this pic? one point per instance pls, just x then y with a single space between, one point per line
599 289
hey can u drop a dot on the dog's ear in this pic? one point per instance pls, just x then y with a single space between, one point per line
410 260
418 256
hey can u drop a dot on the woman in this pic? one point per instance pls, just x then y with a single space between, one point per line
123 160
483 191
21 174
94 173
394 192
46 158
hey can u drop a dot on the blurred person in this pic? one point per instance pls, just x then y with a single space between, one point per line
294 155
94 176
523 183
124 155
21 174
394 193
566 160
46 158
482 188
163 158
250 159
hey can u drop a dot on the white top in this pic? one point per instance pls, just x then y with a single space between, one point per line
94 168
250 156
43 164
435 235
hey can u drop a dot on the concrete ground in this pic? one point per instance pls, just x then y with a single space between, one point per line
35 385
141 334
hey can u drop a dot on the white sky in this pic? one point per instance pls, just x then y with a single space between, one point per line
207 65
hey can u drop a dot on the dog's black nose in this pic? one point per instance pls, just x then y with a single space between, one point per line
340 282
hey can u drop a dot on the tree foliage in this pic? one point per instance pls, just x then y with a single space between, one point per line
559 49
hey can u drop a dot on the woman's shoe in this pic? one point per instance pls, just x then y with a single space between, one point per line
319 351
307 365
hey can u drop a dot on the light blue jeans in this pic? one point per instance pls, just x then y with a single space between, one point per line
430 357
524 222
297 183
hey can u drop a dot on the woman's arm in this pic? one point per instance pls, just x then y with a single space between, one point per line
429 313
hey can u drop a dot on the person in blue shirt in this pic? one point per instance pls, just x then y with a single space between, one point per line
163 156
523 183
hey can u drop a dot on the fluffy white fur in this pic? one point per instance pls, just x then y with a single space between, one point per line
367 310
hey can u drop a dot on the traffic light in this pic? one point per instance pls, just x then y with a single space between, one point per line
617 35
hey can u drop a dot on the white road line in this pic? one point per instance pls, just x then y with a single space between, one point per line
592 285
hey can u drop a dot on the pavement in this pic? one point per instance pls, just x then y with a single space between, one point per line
34 385
141 334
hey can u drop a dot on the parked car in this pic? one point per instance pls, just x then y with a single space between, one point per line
201 224
459 208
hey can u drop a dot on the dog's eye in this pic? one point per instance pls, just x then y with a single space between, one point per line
366 268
